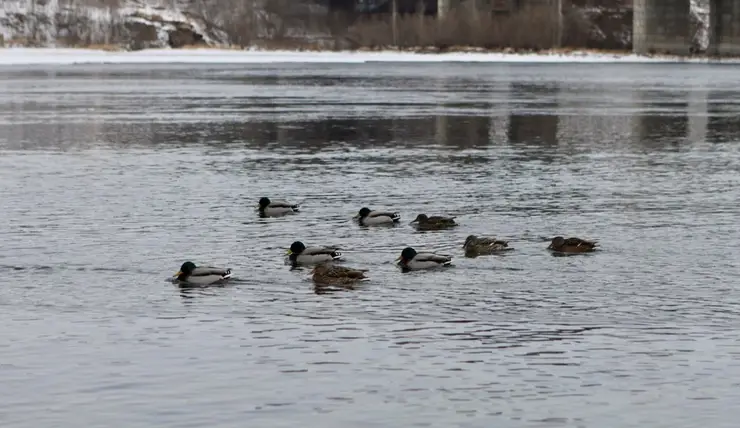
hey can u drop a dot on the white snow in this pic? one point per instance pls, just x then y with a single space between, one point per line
47 25
144 13
29 56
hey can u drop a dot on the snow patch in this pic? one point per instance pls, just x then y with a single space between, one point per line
31 56
165 20
70 22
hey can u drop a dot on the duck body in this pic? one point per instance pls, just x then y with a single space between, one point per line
435 222
276 207
299 254
571 245
368 217
410 259
329 274
190 274
477 246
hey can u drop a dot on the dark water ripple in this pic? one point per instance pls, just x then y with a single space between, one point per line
112 176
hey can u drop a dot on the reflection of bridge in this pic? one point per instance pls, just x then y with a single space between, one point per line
532 115
663 26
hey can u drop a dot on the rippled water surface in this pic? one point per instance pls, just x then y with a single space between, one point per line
112 176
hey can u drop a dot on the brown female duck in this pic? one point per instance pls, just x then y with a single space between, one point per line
435 222
571 245
475 246
330 274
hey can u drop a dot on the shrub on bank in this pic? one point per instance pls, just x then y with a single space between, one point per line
532 28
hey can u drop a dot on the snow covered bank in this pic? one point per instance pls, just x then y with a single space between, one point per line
29 56
129 24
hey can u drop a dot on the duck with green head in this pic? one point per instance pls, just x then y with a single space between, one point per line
190 274
368 217
299 254
478 246
571 245
410 259
276 207
435 222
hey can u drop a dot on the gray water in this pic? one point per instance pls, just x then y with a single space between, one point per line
112 176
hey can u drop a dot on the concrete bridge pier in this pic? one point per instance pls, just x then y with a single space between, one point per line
661 26
724 27
443 6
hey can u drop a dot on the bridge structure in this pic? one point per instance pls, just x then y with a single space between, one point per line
659 26
663 26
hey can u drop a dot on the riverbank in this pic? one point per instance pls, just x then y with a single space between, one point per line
31 56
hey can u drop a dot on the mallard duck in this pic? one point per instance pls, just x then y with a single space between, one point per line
475 246
268 208
300 255
204 275
412 260
329 274
434 222
571 245
368 217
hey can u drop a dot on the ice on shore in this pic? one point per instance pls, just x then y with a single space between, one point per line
31 56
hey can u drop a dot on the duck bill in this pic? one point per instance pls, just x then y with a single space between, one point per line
413 221
177 274
288 252
356 217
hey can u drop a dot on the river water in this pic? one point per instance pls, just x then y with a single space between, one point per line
111 176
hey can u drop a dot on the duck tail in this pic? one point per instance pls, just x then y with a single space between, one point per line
396 217
336 255
295 208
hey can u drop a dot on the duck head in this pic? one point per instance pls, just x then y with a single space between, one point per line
420 218
264 202
364 212
469 240
407 255
296 248
557 242
185 270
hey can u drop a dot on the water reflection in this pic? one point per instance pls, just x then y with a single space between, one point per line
321 289
462 132
522 113
663 119
723 121
534 119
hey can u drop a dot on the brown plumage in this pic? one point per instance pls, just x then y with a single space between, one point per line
330 274
571 245
435 222
475 246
